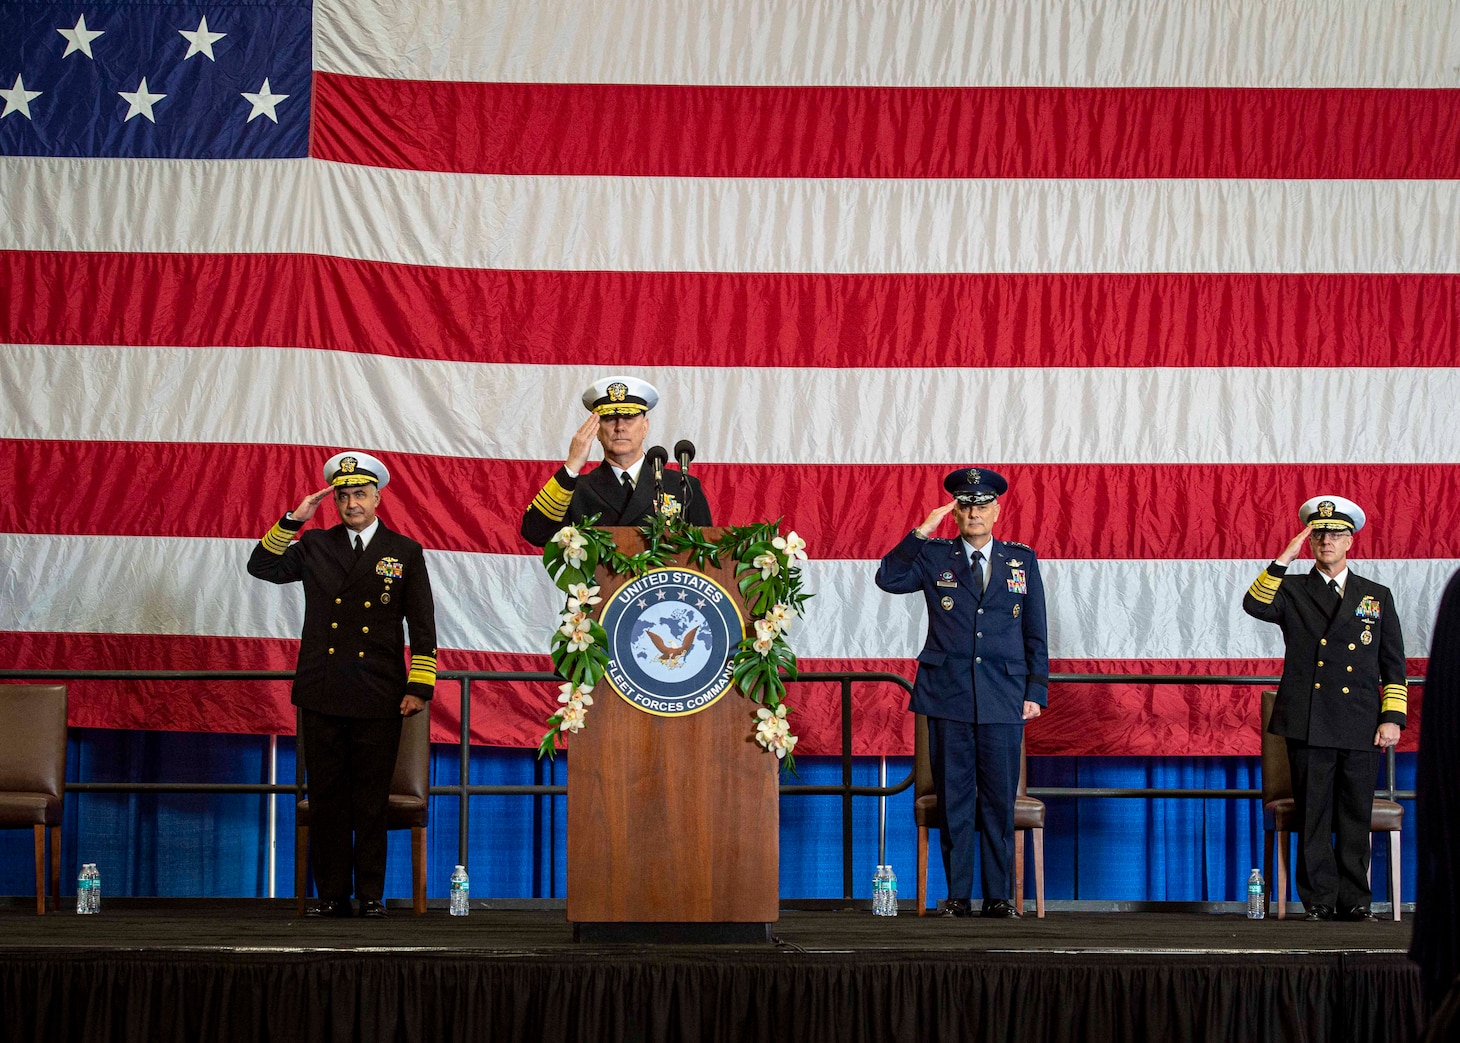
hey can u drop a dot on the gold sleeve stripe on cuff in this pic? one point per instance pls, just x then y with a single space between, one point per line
1396 699
1264 592
552 500
277 539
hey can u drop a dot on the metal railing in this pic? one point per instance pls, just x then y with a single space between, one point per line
464 790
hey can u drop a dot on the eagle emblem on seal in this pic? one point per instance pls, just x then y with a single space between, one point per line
670 655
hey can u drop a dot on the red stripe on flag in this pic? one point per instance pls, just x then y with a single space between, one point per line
1071 511
1083 719
626 319
886 132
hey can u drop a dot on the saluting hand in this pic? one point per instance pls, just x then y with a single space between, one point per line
582 443
1294 546
310 504
931 522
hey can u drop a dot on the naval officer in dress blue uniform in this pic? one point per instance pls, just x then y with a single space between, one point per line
983 672
1343 698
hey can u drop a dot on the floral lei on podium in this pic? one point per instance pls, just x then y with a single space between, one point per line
769 579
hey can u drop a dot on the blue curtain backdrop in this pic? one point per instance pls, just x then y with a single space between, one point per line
216 846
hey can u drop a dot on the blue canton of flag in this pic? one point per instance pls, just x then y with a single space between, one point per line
156 80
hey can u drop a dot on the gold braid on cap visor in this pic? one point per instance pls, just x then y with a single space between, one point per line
358 478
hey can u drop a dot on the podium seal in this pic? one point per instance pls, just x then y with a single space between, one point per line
671 634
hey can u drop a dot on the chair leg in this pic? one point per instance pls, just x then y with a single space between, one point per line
1019 871
1394 870
1267 862
40 870
1039 873
922 870
56 868
418 870
301 864
1281 839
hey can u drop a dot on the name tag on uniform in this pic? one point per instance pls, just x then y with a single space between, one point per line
945 579
1018 583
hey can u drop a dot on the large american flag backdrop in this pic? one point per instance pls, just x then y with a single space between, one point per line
1172 268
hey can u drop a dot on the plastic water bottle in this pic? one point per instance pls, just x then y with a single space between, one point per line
889 888
460 889
1256 896
88 890
879 891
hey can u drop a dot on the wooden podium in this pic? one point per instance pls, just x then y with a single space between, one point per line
673 822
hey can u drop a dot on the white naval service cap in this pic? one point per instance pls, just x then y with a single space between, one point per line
353 467
1332 513
620 396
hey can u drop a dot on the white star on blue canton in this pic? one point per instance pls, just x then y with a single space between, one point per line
79 38
140 102
200 40
18 99
264 103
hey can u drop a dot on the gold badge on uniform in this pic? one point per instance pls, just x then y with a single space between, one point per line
617 392
947 603
347 465
1366 637
1325 509
385 598
1016 611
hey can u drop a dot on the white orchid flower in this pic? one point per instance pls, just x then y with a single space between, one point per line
578 637
568 536
791 545
580 594
780 617
572 717
768 563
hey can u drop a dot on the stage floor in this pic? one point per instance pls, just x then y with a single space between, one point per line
230 970
231 925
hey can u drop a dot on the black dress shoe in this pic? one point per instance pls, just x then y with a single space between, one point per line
1319 912
1357 913
372 909
331 907
1000 909
957 907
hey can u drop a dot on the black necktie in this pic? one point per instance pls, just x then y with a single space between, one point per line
975 561
628 484
1333 586
359 546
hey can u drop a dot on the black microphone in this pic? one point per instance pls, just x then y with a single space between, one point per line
684 452
657 458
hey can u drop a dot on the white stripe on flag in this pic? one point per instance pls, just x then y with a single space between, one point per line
732 225
750 415
505 603
913 43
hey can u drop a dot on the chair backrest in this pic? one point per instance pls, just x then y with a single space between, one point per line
33 755
412 776
923 765
1277 776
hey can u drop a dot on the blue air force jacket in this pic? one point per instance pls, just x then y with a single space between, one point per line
986 652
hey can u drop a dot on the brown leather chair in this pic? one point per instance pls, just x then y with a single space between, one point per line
1278 816
1028 815
33 773
409 808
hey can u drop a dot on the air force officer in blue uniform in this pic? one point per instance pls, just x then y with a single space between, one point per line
983 672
